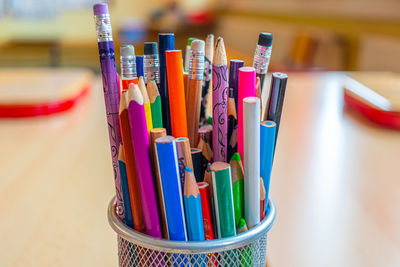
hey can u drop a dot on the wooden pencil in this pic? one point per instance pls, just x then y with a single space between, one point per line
251 138
196 73
147 107
154 134
207 210
237 186
268 129
141 149
232 125
205 133
133 182
262 200
166 42
186 88
199 163
258 94
155 104
209 54
176 93
167 164
247 87
125 187
220 96
242 226
193 209
184 157
223 199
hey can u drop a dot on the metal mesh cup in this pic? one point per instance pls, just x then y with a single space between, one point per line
246 249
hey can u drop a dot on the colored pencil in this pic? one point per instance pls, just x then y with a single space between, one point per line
223 199
258 94
209 54
207 210
184 157
167 164
154 134
199 163
205 133
188 53
151 63
196 73
125 187
276 99
176 92
133 182
247 79
268 129
166 42
111 92
206 150
220 97
128 66
251 140
262 200
155 104
207 178
234 66
237 186
242 226
141 149
193 209
139 66
147 107
232 125
186 88
262 56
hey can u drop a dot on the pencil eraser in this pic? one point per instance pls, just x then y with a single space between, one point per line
198 45
101 8
127 50
150 48
265 39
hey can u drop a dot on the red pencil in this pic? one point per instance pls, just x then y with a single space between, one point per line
208 220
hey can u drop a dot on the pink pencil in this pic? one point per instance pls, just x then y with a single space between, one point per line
247 87
219 100
141 150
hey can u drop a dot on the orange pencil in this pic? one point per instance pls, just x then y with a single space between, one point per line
133 184
176 93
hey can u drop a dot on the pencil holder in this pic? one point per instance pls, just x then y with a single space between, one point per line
246 249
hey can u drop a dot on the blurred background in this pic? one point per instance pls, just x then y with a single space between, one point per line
309 34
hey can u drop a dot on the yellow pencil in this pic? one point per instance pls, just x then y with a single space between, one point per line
147 106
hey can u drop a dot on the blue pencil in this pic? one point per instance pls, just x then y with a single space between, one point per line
267 135
166 42
167 164
124 187
139 65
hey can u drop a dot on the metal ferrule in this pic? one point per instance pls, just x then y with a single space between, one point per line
261 59
196 65
151 68
103 28
128 67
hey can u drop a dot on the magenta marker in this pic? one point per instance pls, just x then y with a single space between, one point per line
111 92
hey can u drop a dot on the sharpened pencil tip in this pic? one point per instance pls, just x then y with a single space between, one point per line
236 157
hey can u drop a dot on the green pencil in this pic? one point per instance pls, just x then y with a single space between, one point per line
155 103
237 187
223 199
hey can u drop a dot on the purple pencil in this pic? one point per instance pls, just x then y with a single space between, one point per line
234 66
219 100
141 150
111 92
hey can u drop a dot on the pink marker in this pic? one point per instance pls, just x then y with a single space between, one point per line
247 87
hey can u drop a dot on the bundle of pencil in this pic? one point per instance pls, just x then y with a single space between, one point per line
176 176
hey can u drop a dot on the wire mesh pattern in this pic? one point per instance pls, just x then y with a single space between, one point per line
253 254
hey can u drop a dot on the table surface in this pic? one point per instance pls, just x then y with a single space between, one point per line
335 182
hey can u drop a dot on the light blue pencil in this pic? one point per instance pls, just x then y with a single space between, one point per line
267 135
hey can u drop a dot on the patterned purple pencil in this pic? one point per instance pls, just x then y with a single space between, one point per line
141 150
219 100
111 92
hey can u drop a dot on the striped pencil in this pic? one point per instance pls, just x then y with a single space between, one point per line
175 83
166 42
147 107
184 157
155 103
237 186
133 182
167 164
111 92
125 187
220 97
209 54
223 199
141 149
193 210
268 129
251 138
207 210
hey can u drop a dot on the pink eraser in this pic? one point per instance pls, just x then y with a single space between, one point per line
101 8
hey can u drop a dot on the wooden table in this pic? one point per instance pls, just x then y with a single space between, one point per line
335 183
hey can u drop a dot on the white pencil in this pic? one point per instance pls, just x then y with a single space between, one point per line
251 151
